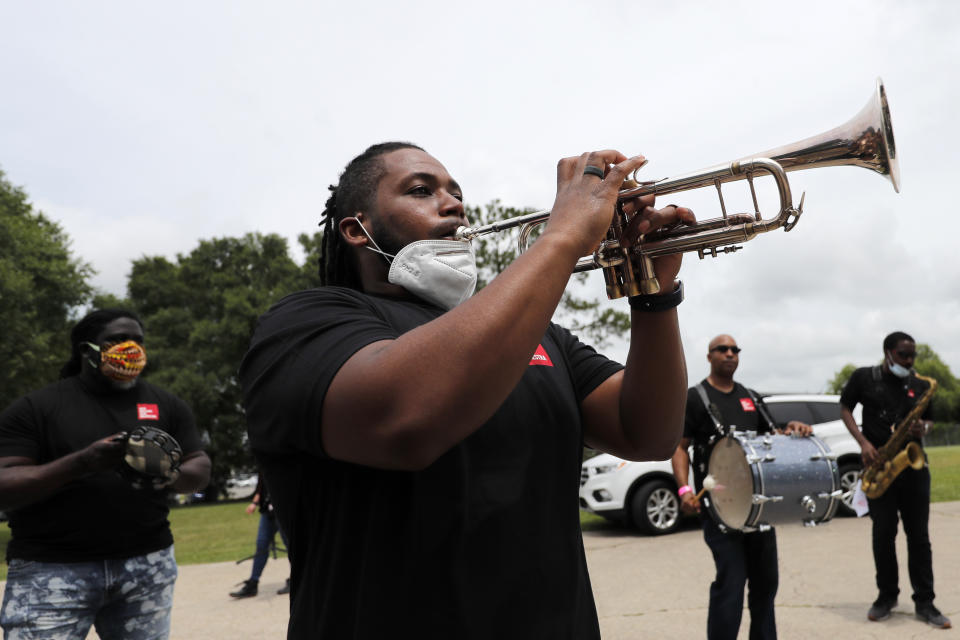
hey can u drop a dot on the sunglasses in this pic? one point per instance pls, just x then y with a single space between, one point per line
725 347
907 354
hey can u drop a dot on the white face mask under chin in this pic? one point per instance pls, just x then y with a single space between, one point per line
443 272
896 369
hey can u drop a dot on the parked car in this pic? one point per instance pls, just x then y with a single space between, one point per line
644 494
241 486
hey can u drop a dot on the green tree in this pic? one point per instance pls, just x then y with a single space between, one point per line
585 316
836 384
944 405
200 312
41 284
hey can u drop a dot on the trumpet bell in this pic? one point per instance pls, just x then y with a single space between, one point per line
866 140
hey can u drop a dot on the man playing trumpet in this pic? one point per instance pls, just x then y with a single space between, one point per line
423 443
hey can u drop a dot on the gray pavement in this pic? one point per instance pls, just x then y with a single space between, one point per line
649 587
658 587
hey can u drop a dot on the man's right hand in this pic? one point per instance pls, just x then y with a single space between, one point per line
689 503
103 454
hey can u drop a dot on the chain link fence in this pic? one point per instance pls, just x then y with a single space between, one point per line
942 434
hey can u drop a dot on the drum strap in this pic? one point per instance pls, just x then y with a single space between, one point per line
712 410
762 408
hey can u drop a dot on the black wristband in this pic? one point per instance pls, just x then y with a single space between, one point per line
658 302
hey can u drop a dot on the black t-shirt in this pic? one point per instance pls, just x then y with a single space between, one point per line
737 409
484 543
99 516
886 400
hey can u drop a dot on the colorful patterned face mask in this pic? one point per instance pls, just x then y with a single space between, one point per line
122 362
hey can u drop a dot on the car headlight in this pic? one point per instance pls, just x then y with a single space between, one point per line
602 469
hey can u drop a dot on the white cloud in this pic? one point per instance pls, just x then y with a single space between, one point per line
169 124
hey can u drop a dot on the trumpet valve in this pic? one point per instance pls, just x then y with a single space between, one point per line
614 289
609 254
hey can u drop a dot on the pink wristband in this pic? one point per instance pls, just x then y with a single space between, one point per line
685 489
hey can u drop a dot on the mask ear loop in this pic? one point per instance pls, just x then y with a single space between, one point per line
386 256
95 347
890 361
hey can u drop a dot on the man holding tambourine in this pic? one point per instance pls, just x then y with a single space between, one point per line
86 465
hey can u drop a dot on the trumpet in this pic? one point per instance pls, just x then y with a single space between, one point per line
866 140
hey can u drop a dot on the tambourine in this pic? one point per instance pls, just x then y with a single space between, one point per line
152 458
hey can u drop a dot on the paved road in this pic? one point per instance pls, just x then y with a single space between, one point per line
652 587
658 587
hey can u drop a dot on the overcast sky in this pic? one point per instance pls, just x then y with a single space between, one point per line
143 129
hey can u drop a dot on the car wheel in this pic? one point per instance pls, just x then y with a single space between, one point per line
655 508
849 474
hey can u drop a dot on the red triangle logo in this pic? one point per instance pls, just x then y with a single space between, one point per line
541 358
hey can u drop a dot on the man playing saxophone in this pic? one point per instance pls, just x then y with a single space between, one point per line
888 393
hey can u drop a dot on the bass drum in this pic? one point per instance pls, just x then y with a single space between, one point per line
771 479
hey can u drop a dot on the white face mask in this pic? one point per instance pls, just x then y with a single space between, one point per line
896 369
443 272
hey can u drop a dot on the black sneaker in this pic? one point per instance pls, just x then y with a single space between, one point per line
285 588
248 590
932 616
880 610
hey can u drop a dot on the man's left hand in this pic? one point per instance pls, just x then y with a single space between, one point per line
795 427
919 428
647 219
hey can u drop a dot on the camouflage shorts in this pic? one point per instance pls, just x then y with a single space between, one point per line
127 599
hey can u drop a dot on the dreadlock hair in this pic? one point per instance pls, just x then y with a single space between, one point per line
891 341
87 330
355 192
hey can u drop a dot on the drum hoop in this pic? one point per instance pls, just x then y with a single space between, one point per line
756 513
835 478
752 515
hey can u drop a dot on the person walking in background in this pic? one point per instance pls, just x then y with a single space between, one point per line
749 559
266 533
888 392
89 547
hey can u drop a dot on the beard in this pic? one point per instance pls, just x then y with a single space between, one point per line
388 241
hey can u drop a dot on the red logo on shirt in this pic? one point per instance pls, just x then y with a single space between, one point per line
540 357
148 412
910 393
747 404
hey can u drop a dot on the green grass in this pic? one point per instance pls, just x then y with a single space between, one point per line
224 532
944 473
202 533
593 522
213 533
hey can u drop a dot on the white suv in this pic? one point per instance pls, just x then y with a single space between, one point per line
644 494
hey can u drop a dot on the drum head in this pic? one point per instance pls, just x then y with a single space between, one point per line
732 498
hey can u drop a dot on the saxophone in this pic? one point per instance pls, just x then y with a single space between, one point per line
894 457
